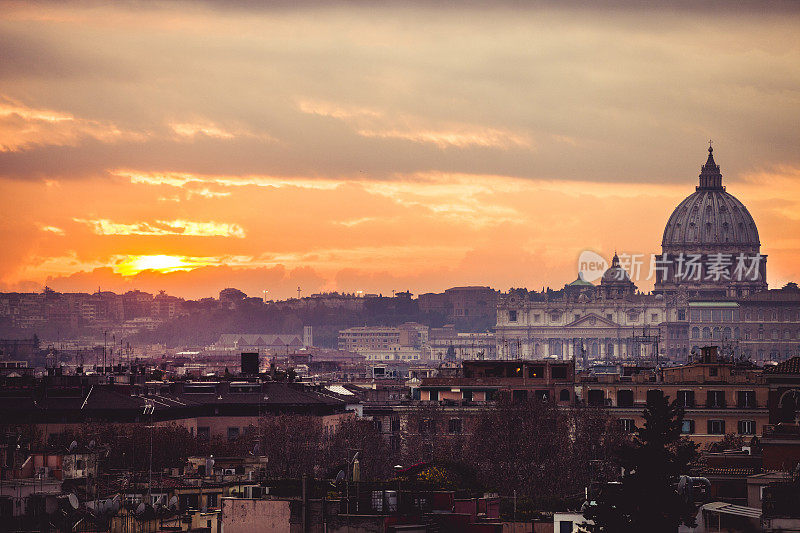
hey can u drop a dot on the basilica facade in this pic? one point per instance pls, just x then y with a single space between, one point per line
710 289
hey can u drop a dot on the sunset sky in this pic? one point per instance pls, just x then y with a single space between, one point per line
193 146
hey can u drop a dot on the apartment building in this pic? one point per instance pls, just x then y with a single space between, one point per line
719 395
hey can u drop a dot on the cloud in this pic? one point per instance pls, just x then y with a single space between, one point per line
208 128
53 229
183 179
378 124
405 145
22 127
165 227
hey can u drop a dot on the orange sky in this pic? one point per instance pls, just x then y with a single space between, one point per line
380 148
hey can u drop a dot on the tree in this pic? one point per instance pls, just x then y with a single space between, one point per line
647 499
521 445
451 352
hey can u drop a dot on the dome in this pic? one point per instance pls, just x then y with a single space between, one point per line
616 283
615 274
710 219
710 246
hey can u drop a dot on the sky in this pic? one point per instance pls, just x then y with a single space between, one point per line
380 146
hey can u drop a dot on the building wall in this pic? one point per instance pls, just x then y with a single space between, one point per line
255 516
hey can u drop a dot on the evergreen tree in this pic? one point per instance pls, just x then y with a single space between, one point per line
647 499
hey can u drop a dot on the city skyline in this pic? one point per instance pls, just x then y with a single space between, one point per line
380 148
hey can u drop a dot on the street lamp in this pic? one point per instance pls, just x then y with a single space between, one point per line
398 469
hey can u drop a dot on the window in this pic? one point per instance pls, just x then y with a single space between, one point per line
577 317
687 427
686 398
654 317
715 399
747 427
712 371
609 317
597 397
536 371
454 426
558 372
624 398
378 423
211 501
466 395
203 432
565 526
628 425
233 433
695 332
716 427
681 314
654 395
536 317
706 333
746 399
427 426
519 396
555 317
512 316
564 395
434 395
695 315
706 315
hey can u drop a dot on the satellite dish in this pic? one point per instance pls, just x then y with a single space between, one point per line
173 502
91 443
69 502
72 446
340 476
115 504
140 509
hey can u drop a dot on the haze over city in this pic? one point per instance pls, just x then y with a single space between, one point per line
193 146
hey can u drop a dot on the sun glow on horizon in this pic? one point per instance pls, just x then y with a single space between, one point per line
134 264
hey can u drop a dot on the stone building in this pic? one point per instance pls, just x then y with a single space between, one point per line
710 289
719 395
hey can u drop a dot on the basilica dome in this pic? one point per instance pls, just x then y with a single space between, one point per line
710 246
710 219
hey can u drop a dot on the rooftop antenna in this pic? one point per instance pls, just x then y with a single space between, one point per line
148 410
298 292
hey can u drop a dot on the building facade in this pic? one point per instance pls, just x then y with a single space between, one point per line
710 289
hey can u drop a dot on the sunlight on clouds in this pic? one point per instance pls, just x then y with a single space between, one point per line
464 138
165 227
132 265
373 123
53 229
209 129
355 221
183 179
22 126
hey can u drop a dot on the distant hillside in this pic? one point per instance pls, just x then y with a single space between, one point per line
203 327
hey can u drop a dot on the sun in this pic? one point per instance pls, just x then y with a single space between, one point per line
134 264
